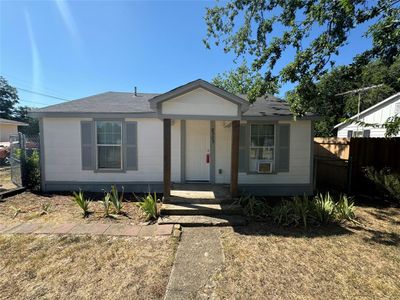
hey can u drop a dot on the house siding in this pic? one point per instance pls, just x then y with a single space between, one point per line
62 143
376 116
6 130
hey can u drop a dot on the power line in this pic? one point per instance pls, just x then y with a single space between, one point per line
42 94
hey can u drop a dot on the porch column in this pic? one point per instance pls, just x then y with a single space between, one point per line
235 158
167 158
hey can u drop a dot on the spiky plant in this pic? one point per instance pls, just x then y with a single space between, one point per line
82 202
106 204
116 199
148 206
345 208
324 208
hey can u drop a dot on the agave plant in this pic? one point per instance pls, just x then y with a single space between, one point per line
345 208
148 205
324 208
106 204
282 212
82 202
301 210
115 199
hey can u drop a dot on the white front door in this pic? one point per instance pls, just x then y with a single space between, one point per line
197 150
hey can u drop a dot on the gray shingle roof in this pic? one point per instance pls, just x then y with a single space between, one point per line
124 102
109 102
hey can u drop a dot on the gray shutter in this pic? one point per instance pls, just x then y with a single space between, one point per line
131 157
242 148
87 144
366 133
283 147
349 134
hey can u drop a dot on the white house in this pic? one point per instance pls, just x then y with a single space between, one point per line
376 114
7 128
194 133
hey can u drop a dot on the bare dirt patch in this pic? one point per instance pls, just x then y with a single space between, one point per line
56 208
5 179
82 267
265 261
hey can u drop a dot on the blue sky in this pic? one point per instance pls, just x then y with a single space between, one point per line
79 48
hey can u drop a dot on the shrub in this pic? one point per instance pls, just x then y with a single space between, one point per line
31 169
302 210
254 207
82 202
116 200
345 209
148 206
282 213
324 208
386 180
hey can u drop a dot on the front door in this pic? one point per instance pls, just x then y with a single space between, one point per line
197 150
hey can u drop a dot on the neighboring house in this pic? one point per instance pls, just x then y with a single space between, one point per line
194 133
7 128
376 114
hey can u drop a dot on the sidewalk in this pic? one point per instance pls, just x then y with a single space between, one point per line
87 229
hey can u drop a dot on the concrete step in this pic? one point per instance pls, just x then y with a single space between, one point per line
200 209
201 220
179 200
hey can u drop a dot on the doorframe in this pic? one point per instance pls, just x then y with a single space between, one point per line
212 151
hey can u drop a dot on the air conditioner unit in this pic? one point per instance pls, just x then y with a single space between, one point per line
264 167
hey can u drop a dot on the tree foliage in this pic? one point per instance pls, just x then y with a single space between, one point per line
8 99
315 30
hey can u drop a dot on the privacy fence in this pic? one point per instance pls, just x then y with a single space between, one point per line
339 163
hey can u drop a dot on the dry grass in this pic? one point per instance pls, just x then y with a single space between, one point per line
61 209
81 267
264 261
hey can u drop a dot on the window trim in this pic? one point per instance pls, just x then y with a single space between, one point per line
248 146
122 145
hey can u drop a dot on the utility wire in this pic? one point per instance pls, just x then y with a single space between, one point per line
42 94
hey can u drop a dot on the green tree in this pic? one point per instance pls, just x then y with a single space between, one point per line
21 114
8 99
315 30
244 81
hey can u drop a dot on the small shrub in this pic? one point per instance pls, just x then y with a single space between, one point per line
324 208
31 169
254 207
82 202
106 204
116 200
301 210
148 206
345 209
386 180
46 208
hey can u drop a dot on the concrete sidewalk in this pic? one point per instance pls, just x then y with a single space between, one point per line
198 256
87 229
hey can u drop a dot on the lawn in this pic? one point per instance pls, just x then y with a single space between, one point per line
83 267
56 208
266 261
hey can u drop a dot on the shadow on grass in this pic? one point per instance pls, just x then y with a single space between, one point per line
268 228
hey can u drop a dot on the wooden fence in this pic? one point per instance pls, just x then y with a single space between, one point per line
372 152
332 147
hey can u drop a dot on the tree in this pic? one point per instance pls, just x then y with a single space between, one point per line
8 99
21 114
315 30
243 81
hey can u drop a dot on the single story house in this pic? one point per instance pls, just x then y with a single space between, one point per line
194 133
7 128
376 114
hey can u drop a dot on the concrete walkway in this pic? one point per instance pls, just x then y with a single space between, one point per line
87 229
198 256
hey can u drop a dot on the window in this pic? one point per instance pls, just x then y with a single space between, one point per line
109 144
357 133
262 145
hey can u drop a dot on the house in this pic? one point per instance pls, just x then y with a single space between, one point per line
194 133
7 128
376 114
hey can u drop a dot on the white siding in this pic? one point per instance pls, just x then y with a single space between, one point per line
299 164
199 102
6 130
376 116
62 139
223 134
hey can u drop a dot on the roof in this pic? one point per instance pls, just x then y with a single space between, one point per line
370 109
199 83
12 122
145 103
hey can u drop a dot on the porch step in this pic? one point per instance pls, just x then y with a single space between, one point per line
200 209
181 200
200 220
